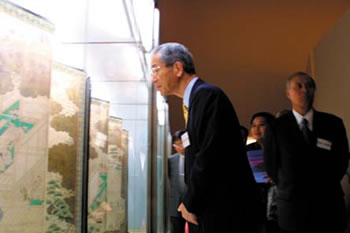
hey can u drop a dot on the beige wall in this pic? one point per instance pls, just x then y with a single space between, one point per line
331 69
247 48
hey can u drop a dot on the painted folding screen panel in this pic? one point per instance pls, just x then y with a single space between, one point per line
65 161
99 166
116 218
25 73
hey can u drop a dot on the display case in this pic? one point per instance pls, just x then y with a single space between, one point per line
76 152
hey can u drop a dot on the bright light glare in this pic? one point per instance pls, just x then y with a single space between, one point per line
160 108
156 21
144 11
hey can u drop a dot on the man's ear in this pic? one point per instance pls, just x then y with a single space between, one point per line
287 93
179 69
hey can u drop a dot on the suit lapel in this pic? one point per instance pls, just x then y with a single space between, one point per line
294 127
316 123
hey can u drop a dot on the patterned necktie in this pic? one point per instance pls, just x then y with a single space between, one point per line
306 132
185 110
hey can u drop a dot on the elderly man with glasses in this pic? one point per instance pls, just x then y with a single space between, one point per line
221 194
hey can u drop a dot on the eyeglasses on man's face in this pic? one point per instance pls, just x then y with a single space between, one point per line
154 70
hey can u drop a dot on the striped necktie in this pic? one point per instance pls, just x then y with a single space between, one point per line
185 110
306 132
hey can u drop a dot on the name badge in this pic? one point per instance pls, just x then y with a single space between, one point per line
324 144
185 140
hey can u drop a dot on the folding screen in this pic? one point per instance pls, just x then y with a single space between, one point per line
98 167
117 187
25 72
66 134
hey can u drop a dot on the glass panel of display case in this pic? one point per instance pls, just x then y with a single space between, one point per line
131 112
114 62
121 92
162 161
156 26
129 8
99 37
25 75
144 14
104 16
138 151
141 136
70 54
69 17
124 111
138 170
161 158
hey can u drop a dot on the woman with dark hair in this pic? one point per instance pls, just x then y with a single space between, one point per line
258 123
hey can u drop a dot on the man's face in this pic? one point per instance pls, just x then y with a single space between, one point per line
163 77
178 146
301 92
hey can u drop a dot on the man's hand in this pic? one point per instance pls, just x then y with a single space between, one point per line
189 217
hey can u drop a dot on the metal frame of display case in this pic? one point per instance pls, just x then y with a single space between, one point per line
153 191
84 205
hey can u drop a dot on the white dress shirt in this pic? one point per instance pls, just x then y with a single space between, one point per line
309 116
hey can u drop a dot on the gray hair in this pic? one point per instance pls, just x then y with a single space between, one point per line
173 52
308 78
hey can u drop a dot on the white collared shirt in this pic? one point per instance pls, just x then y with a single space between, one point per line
309 116
188 90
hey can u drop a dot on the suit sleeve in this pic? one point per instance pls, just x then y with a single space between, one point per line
271 158
341 151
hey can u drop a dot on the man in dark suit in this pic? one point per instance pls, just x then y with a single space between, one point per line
221 194
176 173
306 154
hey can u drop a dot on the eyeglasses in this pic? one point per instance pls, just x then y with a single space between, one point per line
154 70
177 144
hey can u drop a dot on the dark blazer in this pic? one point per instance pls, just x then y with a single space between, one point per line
310 197
176 185
221 189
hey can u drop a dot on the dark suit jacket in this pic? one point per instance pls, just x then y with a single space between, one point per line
310 197
176 185
217 173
